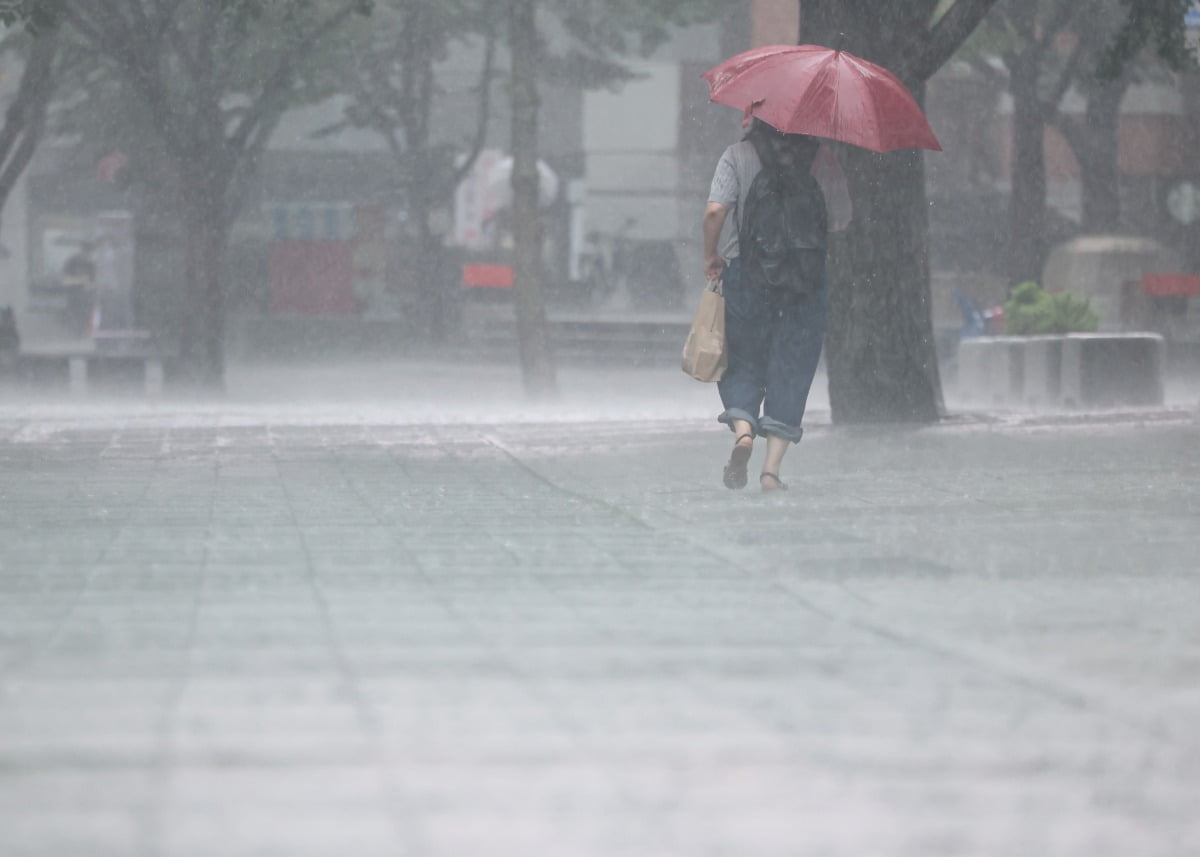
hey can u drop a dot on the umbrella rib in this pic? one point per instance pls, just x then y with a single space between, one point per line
807 93
837 98
879 126
878 123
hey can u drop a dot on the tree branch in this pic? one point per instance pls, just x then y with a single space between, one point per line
1072 129
25 118
946 36
278 80
1050 106
485 109
247 164
986 70
30 90
179 42
135 54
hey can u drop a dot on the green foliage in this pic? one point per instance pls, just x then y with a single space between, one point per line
1154 24
1116 35
602 35
37 15
1031 311
1074 314
257 8
629 26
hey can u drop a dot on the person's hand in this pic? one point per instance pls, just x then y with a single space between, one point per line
714 267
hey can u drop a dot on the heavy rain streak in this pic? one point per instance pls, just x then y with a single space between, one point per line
597 428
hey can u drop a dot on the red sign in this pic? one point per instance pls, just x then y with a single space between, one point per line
312 277
488 276
1171 285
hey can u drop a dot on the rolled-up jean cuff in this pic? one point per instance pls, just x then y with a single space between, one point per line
775 428
738 414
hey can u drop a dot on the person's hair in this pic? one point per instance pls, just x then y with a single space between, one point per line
768 140
760 130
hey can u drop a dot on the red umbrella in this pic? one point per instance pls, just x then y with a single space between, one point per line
808 89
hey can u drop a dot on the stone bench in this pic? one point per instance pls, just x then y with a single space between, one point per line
116 351
1077 370
80 368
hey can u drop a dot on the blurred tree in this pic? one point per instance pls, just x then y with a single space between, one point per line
389 67
1154 25
36 15
1051 47
213 80
98 119
390 74
25 116
880 347
1027 36
1094 136
599 34
882 363
533 337
1124 42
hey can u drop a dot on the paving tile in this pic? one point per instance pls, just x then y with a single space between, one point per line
567 638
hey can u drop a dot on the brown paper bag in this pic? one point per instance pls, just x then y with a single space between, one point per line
704 354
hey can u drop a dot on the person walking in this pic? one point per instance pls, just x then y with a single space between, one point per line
79 278
770 258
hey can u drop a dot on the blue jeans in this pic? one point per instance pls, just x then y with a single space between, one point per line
774 347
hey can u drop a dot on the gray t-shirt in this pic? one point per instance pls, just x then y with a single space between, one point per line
738 167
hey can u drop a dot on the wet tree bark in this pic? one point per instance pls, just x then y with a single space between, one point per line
1096 145
173 63
880 349
25 117
537 365
201 362
1036 95
882 360
1027 208
420 46
392 83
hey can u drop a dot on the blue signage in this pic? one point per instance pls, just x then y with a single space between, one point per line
1191 18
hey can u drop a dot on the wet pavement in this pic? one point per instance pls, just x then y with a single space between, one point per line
396 623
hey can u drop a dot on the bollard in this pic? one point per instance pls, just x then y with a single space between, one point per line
77 371
154 377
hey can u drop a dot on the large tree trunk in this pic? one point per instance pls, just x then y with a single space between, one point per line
25 118
537 365
1097 150
1027 208
880 348
420 55
202 341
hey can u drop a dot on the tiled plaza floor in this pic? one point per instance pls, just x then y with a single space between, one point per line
238 631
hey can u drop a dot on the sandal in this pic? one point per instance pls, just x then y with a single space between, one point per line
771 482
735 470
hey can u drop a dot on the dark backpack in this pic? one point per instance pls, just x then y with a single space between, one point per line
783 234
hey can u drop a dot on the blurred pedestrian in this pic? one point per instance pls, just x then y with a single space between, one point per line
79 278
771 261
10 339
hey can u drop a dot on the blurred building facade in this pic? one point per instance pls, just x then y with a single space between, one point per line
324 229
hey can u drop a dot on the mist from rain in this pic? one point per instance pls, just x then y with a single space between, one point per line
352 497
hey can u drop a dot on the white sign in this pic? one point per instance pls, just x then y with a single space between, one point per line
1191 18
1183 201
471 204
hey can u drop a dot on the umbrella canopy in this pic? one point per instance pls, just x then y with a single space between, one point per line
808 89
